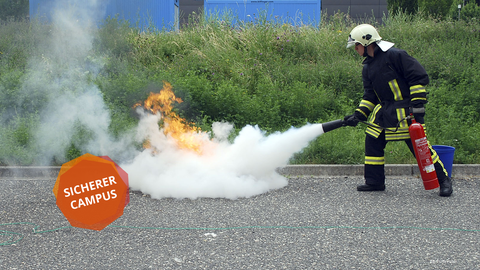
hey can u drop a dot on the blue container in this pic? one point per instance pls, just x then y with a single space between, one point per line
161 15
158 14
445 153
295 12
54 10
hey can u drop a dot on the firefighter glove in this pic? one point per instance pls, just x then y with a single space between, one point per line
350 120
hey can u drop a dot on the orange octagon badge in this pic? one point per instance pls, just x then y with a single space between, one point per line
91 191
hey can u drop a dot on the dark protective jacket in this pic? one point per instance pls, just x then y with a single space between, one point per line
393 81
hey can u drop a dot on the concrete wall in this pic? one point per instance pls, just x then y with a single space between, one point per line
357 9
187 7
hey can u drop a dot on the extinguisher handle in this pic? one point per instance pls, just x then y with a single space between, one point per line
417 110
418 114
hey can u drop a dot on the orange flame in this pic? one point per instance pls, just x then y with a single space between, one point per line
179 129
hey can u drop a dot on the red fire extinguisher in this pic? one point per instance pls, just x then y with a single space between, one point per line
422 153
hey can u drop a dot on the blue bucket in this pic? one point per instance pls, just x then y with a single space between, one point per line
445 153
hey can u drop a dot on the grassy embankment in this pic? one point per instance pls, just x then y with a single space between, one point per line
271 75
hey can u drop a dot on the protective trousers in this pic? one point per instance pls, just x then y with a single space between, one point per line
374 171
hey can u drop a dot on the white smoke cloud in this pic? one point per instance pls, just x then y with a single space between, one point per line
244 168
63 78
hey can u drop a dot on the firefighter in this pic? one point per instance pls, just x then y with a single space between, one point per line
394 85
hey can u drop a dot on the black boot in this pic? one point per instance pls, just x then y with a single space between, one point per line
445 187
371 187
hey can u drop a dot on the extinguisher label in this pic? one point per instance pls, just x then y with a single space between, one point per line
424 154
422 144
422 148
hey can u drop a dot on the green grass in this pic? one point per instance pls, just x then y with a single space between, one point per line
272 75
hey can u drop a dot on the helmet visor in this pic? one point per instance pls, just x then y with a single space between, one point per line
351 42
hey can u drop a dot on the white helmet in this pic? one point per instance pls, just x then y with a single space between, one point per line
364 34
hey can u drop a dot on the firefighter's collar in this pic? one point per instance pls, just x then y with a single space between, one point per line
385 45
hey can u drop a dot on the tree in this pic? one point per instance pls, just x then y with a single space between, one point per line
407 6
469 11
435 7
13 9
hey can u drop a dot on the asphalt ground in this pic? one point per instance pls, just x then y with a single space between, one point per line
315 222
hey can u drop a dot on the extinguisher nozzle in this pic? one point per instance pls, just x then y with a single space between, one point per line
328 126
